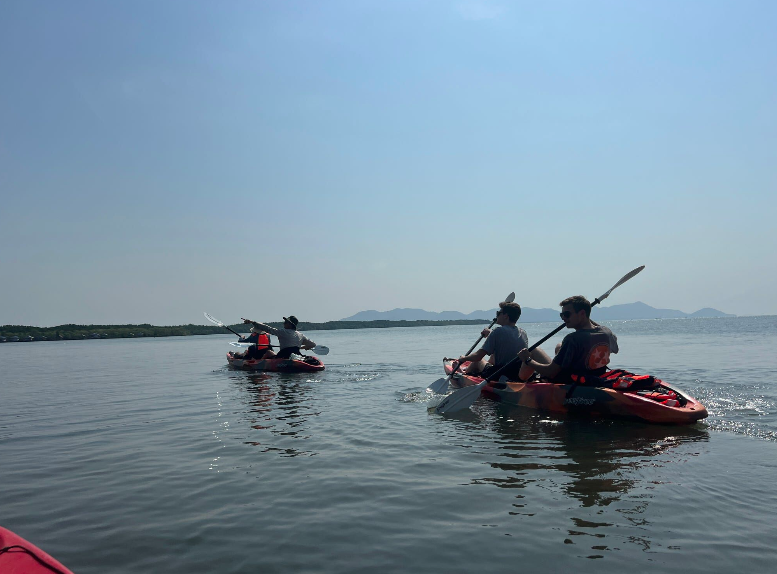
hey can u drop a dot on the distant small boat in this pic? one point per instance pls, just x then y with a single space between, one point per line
14 339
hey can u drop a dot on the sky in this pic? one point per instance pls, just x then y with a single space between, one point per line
260 159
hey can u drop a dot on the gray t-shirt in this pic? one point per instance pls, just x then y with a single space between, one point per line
287 337
587 351
504 343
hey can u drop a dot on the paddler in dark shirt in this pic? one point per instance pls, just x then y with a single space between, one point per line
584 352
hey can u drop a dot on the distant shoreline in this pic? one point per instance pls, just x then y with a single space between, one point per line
22 333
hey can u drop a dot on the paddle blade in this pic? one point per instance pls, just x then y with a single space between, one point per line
235 344
440 386
321 350
459 400
510 298
625 278
212 319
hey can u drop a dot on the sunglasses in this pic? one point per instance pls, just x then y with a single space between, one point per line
565 314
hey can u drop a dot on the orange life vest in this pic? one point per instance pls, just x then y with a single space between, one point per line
263 341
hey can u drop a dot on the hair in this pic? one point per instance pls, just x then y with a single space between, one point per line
579 303
513 310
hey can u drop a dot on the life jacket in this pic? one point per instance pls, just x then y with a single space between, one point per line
263 341
622 380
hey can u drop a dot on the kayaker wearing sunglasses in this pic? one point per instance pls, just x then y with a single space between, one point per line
502 344
584 352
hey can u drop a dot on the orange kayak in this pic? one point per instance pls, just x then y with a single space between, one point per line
17 556
617 394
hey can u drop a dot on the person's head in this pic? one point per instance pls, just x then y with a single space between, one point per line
510 312
575 311
290 322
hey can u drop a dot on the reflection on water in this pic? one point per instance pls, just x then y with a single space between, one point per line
600 464
278 407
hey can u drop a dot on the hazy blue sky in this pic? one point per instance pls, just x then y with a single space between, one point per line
161 159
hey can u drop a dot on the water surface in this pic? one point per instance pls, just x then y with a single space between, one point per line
151 455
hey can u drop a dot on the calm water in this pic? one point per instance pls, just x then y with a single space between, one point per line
150 455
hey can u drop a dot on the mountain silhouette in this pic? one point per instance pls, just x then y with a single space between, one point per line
638 310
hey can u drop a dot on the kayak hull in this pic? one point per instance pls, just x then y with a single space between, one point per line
597 402
311 364
17 556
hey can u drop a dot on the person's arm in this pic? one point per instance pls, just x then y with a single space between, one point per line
306 343
252 338
550 370
263 327
473 358
613 343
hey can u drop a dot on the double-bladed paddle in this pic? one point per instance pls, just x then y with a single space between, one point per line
463 398
318 349
440 386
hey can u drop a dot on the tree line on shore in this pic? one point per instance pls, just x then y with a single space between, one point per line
77 332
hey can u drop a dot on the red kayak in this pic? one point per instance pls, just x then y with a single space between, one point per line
17 556
304 365
616 394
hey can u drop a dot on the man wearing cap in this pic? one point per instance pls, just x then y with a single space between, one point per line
289 339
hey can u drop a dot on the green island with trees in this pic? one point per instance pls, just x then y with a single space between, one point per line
77 332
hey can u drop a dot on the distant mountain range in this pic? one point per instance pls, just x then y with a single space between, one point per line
638 310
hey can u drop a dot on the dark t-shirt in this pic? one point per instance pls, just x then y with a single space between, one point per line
587 351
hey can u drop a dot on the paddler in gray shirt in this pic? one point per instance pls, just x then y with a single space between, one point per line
502 344
289 339
584 352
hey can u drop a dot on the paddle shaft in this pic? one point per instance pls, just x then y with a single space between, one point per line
231 331
479 338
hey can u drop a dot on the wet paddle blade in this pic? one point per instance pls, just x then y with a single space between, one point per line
440 386
625 278
212 319
459 400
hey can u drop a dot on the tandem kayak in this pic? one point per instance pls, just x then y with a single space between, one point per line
305 365
617 394
17 556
